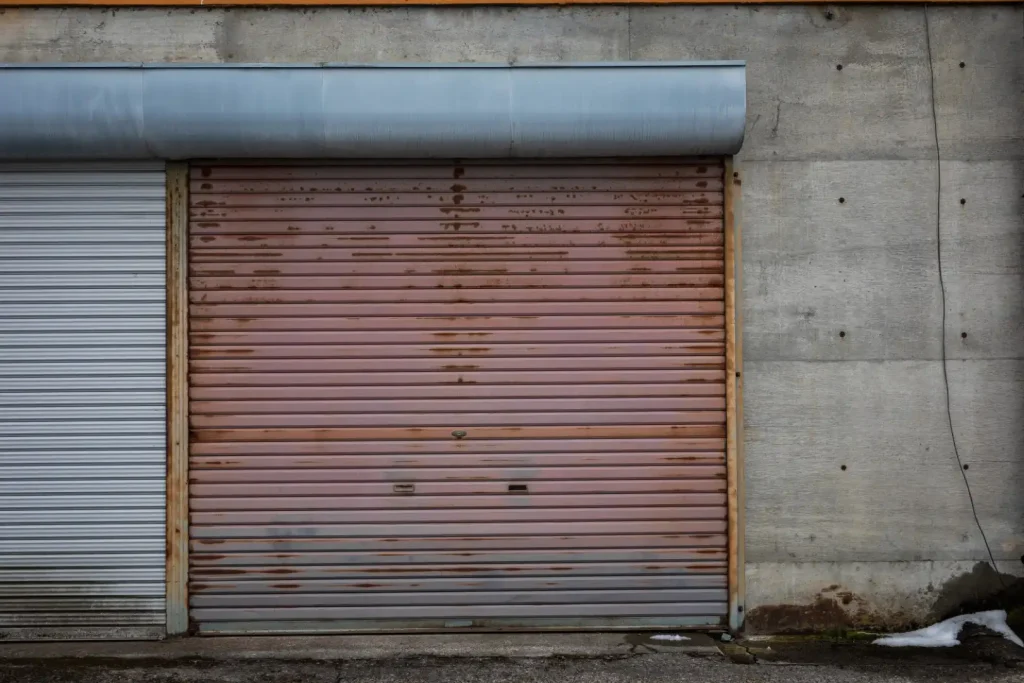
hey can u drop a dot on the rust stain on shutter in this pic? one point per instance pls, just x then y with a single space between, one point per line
457 396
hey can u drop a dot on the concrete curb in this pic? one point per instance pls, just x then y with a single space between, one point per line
362 647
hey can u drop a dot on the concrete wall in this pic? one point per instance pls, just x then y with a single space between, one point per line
856 508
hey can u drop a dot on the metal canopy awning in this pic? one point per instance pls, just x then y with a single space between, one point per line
166 111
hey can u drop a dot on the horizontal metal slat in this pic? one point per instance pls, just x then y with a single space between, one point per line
204 186
471 349
66 238
82 443
74 567
460 323
84 515
27 325
413 282
48 588
296 486
97 191
603 442
76 486
420 503
126 339
449 612
466 364
81 368
152 469
77 354
449 226
113 400
101 266
292 600
98 532
82 251
56 427
451 268
104 415
62 280
453 406
540 478
45 297
73 547
10 606
419 309
313 518
81 310
85 499
424 434
466 255
243 585
143 383
697 557
461 199
335 420
152 209
119 619
448 295
452 212
423 381
439 529
452 390
507 240
151 220
392 549
463 171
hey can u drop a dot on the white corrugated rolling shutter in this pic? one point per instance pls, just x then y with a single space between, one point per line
82 404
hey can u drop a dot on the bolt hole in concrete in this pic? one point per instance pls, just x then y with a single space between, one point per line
962 201
963 335
842 200
962 65
842 467
839 67
967 467
842 334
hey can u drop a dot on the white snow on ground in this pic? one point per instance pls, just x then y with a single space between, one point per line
947 633
668 636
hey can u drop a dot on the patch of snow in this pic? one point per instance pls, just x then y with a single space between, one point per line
669 636
947 633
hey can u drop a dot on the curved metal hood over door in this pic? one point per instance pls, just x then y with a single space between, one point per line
385 111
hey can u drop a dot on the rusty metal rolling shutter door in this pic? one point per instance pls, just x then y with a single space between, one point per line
457 396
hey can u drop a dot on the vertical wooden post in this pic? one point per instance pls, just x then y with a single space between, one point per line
734 399
177 398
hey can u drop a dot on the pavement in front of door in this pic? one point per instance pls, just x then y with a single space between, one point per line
505 658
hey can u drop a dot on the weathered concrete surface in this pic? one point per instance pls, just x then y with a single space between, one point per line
983 257
887 596
842 305
775 662
901 496
840 262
